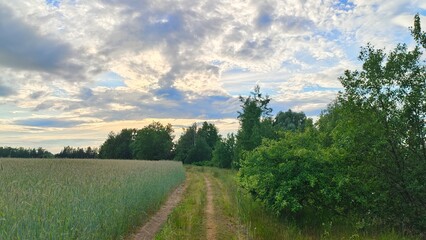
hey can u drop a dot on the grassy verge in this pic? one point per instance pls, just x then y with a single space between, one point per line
250 220
257 223
238 216
187 219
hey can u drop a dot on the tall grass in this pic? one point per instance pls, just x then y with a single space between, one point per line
259 223
239 216
81 199
187 219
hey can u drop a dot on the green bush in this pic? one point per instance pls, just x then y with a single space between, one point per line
293 175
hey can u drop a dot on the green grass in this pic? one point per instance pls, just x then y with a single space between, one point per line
246 217
81 199
259 223
239 216
187 219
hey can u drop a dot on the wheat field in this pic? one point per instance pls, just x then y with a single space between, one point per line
81 199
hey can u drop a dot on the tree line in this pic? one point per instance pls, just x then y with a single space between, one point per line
81 153
67 152
21 152
201 143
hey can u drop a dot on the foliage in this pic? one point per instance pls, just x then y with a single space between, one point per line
118 146
418 34
153 142
200 152
292 174
187 219
24 152
197 144
255 123
210 133
254 109
70 152
291 121
185 143
386 103
224 152
80 199
366 157
239 216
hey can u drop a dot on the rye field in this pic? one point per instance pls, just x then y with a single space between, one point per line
81 199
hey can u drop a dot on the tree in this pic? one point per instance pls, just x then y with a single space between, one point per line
386 135
291 121
24 153
117 146
196 144
153 142
185 143
70 152
366 154
210 133
91 153
255 122
224 151
201 152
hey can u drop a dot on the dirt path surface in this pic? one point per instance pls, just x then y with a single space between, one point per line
149 230
210 223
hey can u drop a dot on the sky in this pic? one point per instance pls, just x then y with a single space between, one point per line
71 71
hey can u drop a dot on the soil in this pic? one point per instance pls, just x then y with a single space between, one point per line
210 222
149 230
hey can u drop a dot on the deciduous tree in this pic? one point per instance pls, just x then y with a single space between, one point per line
153 142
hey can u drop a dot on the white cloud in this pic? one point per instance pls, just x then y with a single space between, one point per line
182 59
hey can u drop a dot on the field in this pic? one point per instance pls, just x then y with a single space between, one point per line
81 199
111 199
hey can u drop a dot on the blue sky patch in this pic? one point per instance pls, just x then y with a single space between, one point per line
54 3
170 94
216 63
331 35
345 5
264 20
110 80
48 122
235 70
316 88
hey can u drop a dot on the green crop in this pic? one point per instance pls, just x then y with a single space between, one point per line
81 199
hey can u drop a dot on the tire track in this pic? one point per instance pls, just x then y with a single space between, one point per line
210 222
148 231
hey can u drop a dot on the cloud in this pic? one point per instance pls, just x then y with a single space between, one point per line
161 105
55 3
125 61
6 91
37 94
293 25
85 93
21 47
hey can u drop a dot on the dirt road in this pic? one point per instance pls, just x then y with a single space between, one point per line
148 231
210 213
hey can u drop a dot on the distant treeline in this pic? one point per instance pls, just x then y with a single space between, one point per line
24 152
70 152
67 152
